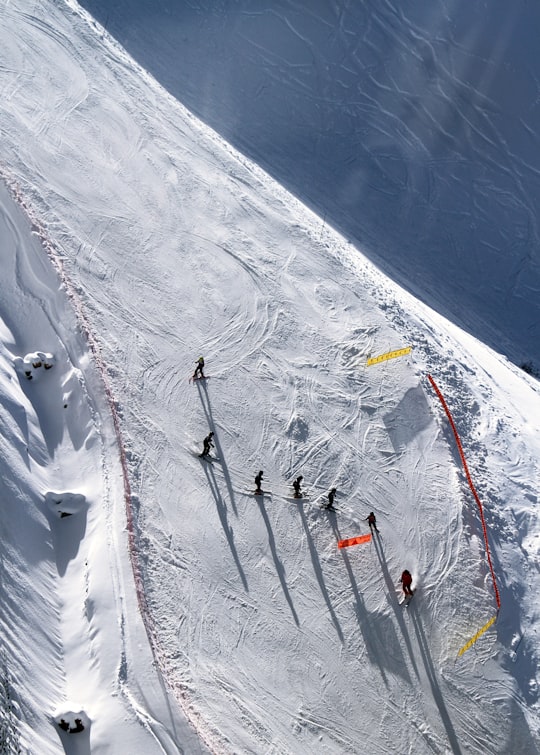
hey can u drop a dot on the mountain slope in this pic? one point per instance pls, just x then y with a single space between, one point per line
272 639
426 114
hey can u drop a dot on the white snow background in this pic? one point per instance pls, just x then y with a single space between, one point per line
173 611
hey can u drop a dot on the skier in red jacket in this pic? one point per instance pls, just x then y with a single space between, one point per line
406 582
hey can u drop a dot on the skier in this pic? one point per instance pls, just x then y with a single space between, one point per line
331 496
207 445
406 582
372 521
296 485
258 480
199 368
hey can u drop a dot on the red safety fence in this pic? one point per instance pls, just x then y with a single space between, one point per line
471 485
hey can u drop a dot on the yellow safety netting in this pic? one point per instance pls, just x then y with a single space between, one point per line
477 635
389 355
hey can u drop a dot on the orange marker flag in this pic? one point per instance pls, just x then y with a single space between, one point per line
354 541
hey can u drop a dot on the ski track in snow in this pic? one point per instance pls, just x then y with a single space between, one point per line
425 114
61 436
274 640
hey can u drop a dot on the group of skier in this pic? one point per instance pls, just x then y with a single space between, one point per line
371 519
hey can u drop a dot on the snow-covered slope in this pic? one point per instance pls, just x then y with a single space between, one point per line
426 113
73 637
266 637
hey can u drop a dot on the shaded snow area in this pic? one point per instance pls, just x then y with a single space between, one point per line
411 126
150 603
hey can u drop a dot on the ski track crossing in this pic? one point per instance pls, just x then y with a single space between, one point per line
272 639
424 114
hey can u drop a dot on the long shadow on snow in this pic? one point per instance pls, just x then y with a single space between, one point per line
46 397
373 647
318 571
222 512
393 601
432 677
213 484
205 403
67 535
75 745
380 638
279 566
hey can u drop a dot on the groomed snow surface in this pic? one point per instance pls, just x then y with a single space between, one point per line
148 594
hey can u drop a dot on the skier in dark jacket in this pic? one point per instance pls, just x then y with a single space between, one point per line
297 485
331 496
372 521
199 368
258 480
406 582
207 445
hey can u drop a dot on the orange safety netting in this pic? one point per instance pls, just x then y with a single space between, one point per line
354 541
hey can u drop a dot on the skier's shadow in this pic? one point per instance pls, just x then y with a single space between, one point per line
78 746
370 633
430 671
74 742
222 512
205 403
318 571
393 601
279 566
376 647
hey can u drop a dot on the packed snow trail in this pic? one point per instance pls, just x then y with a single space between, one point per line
177 246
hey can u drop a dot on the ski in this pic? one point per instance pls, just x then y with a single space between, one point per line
406 600
195 379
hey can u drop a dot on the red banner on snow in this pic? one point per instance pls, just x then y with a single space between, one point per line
354 541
